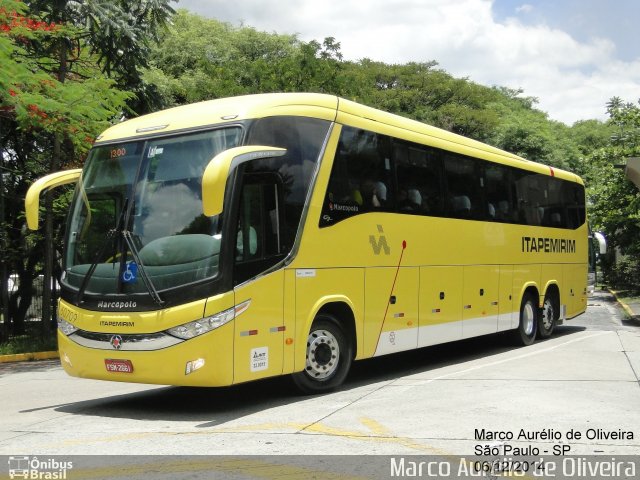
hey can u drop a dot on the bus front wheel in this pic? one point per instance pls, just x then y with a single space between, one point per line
528 327
329 355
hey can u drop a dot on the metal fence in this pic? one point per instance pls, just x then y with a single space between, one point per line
35 310
33 332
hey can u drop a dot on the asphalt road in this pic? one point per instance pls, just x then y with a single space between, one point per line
434 401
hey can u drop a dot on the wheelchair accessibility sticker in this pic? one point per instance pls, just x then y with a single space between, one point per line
130 273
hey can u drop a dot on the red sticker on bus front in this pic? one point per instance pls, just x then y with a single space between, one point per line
118 366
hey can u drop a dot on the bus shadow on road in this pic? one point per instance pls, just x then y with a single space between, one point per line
189 404
424 360
216 406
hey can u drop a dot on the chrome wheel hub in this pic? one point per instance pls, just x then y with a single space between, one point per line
323 353
528 317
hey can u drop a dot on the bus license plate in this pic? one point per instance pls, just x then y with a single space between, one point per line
118 366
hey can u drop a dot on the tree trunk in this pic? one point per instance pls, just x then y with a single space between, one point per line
48 266
47 299
4 272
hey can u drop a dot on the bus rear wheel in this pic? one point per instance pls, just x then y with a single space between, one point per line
528 326
548 318
329 356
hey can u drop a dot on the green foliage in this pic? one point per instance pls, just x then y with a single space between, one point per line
614 200
36 96
625 118
29 343
529 133
200 59
590 135
624 275
69 69
119 34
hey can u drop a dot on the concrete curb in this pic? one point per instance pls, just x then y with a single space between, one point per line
626 307
22 357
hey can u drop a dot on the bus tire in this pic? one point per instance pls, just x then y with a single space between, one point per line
548 317
528 326
329 356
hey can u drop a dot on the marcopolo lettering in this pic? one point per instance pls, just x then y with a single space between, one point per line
117 305
548 245
343 208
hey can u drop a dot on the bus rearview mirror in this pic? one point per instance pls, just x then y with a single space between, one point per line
215 174
602 242
53 180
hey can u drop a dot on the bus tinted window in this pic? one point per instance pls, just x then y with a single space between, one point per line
554 212
573 199
361 179
497 182
529 197
303 138
419 177
422 180
463 194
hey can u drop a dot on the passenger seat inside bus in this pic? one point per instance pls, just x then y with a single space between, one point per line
503 210
461 206
491 210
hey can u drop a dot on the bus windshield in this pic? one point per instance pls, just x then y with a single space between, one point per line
137 215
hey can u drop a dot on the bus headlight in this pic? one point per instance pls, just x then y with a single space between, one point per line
206 324
66 327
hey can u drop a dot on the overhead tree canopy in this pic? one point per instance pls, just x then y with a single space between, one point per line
64 79
614 200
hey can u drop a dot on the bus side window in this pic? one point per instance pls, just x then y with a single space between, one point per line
361 178
497 193
574 203
463 187
258 242
418 174
531 199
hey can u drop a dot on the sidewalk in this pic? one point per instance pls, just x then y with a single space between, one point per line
631 307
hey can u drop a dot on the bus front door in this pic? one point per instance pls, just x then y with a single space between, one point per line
259 330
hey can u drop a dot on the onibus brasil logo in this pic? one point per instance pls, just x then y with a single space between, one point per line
35 468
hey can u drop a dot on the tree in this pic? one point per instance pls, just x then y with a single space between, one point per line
48 113
615 201
65 64
202 59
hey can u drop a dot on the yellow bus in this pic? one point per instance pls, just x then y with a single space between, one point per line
242 238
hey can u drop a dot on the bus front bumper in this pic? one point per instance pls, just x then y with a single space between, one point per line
205 361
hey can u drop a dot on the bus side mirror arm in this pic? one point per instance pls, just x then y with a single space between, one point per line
602 242
215 174
53 180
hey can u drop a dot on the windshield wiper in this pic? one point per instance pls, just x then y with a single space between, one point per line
126 234
145 278
110 235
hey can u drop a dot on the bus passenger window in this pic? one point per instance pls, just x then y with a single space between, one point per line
497 192
463 187
574 204
419 179
361 177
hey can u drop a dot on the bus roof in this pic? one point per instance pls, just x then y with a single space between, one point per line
329 107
